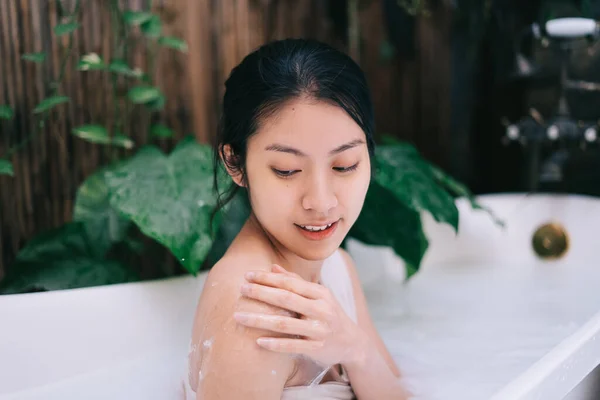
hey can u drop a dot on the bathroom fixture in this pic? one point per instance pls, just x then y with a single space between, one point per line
561 132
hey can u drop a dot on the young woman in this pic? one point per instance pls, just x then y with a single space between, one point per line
282 315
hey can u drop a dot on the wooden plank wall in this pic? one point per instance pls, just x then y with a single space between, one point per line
411 98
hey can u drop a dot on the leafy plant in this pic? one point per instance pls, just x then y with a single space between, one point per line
86 244
63 258
169 198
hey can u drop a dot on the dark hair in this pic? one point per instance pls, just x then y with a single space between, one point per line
274 74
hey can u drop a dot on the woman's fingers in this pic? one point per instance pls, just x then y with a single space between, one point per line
276 323
280 269
281 298
288 282
291 346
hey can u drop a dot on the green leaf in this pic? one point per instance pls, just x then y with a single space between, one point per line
144 94
65 29
152 27
170 198
62 258
387 139
102 223
402 171
6 167
135 18
99 135
34 57
120 67
174 43
161 131
91 61
385 221
460 190
157 104
6 112
230 222
49 103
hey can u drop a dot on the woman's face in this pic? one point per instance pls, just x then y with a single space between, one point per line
308 170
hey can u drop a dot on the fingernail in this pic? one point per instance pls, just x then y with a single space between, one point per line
245 288
264 341
250 275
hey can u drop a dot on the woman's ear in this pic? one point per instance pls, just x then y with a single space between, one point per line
231 165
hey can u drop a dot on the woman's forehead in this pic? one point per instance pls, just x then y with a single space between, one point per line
308 126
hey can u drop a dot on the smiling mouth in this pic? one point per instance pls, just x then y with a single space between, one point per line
316 228
318 232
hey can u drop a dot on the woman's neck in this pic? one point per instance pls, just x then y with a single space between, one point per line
307 269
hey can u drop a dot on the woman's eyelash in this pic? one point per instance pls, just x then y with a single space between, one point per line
346 169
285 173
289 173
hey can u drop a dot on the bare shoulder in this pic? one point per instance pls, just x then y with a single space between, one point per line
229 363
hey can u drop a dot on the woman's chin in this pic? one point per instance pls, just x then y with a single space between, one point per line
314 252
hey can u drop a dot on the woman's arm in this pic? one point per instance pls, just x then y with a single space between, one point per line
324 332
373 373
233 366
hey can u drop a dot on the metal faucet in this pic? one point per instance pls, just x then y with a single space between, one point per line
562 131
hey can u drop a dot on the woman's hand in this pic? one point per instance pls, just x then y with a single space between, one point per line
323 331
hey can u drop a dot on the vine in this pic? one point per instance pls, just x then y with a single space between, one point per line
143 92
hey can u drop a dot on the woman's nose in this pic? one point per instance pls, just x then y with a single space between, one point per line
320 197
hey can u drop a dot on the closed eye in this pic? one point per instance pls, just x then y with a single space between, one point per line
284 173
346 169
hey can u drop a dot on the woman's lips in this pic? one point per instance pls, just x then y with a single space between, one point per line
318 232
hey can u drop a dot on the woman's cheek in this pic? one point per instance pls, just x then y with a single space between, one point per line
357 193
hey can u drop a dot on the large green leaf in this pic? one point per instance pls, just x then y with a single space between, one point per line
62 259
385 221
401 170
99 135
230 222
49 103
6 167
460 190
102 223
170 198
6 112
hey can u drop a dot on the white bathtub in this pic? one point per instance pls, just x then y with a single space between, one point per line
483 319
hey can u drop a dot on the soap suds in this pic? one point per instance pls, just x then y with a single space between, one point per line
208 343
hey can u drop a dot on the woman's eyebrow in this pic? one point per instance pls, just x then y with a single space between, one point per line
347 146
284 149
287 149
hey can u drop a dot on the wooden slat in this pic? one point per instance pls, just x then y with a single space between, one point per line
199 68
